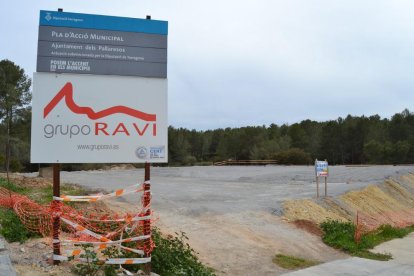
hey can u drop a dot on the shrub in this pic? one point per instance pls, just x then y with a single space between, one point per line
171 256
174 256
340 235
12 228
293 156
15 165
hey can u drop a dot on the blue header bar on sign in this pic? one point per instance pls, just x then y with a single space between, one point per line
102 22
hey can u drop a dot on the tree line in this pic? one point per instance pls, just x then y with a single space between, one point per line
350 140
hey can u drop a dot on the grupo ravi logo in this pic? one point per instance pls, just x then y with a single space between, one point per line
145 126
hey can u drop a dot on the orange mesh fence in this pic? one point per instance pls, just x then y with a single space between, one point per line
96 227
399 219
369 222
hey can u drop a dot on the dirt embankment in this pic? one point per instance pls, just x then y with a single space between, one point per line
391 202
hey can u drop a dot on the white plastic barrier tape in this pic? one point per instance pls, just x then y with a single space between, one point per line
127 218
128 261
77 252
103 241
92 198
116 261
139 238
82 229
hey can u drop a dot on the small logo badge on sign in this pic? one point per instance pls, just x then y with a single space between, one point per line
141 152
157 152
48 16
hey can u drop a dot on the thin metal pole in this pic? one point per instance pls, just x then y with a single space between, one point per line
317 187
326 186
55 204
56 212
147 223
147 202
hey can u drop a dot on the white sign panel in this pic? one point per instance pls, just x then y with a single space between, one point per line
98 119
321 168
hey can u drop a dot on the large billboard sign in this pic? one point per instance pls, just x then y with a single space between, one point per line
103 45
100 91
80 118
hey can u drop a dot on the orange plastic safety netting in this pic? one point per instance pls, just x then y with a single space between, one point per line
399 219
129 233
365 223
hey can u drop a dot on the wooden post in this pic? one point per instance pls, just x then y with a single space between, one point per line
317 187
326 186
56 212
147 223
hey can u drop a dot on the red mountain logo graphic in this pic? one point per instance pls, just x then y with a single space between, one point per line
67 93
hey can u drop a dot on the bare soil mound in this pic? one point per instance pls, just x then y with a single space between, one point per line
308 226
391 202
307 209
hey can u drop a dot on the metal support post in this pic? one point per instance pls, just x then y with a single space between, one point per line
56 212
317 187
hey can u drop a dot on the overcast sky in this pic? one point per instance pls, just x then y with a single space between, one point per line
239 63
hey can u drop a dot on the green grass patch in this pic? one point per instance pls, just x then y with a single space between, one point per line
291 262
340 235
43 195
13 187
12 229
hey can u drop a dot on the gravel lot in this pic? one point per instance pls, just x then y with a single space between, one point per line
232 214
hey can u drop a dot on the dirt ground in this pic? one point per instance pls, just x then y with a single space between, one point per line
243 243
234 216
33 258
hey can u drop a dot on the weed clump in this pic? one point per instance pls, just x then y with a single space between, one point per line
291 262
12 229
340 235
